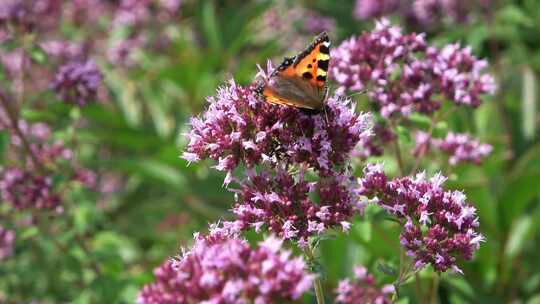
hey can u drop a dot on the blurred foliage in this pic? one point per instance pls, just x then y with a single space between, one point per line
105 248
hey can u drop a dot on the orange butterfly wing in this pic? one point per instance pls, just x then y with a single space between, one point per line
309 66
312 63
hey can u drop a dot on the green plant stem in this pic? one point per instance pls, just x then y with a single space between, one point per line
317 284
404 275
397 149
434 121
401 261
400 275
434 289
398 157
418 289
318 290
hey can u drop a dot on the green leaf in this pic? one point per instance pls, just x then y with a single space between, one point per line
126 90
33 115
210 26
521 187
514 15
422 121
404 134
518 236
38 55
440 130
528 103
4 142
28 233
114 243
153 169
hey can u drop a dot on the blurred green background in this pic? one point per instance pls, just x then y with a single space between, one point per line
152 202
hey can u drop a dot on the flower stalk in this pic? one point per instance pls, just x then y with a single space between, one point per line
317 282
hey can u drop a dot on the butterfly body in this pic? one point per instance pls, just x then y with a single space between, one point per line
300 81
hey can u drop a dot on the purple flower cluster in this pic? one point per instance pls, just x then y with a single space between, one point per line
238 128
285 204
289 25
64 49
221 268
460 147
430 11
7 239
365 9
132 12
123 51
422 144
140 12
25 189
421 12
29 15
38 138
29 185
404 75
439 226
374 146
363 289
86 177
315 23
144 18
77 82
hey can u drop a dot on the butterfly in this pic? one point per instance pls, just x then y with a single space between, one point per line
300 81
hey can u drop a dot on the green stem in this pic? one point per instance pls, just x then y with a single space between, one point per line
318 290
397 149
317 283
418 289
433 124
434 289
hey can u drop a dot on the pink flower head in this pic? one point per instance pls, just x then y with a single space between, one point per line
462 148
363 289
77 82
284 203
25 189
404 75
7 240
222 268
39 139
440 225
238 128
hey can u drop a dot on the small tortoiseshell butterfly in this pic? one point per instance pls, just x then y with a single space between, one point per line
300 81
